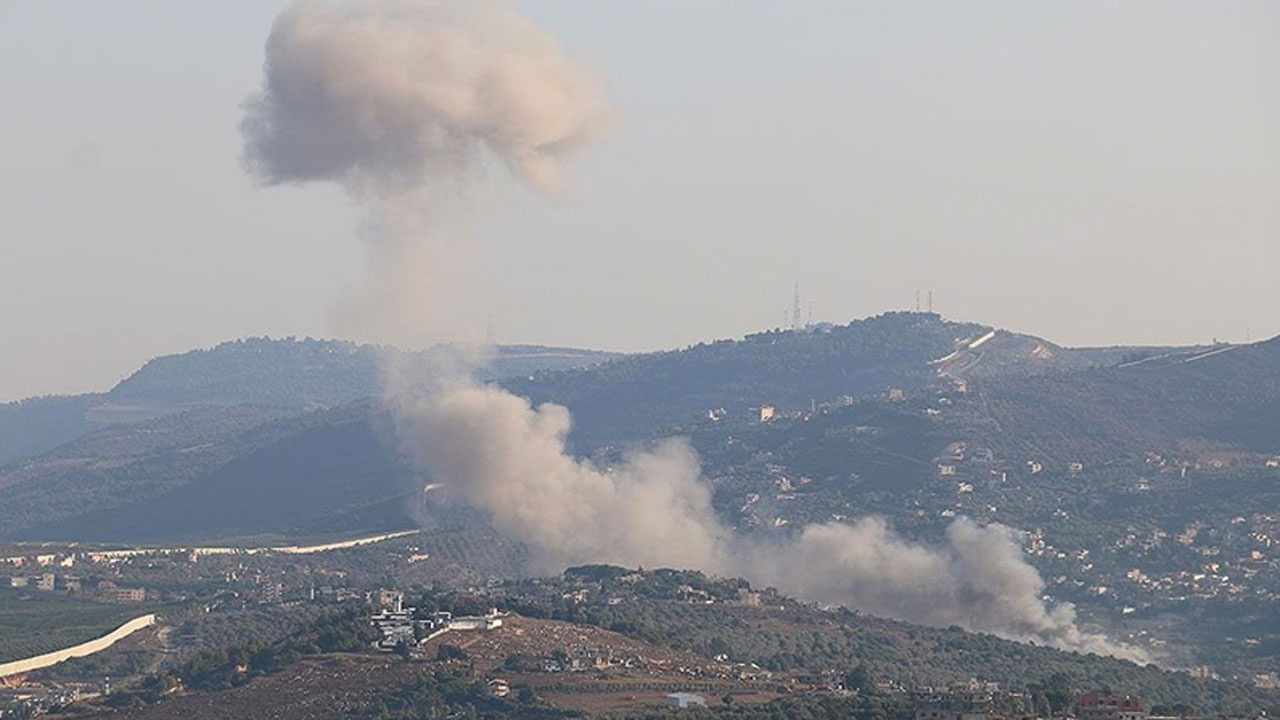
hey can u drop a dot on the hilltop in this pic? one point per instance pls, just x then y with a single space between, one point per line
287 373
1144 477
242 440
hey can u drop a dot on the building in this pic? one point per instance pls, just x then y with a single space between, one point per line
766 413
1099 706
45 581
489 621
588 658
397 627
685 700
896 394
499 688
392 600
273 593
130 595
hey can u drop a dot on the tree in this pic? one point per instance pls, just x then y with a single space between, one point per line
858 679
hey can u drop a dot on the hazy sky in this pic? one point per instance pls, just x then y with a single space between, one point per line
1091 172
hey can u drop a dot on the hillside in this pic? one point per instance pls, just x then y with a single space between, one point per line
862 452
296 374
634 397
214 473
312 373
639 395
606 639
1226 396
688 611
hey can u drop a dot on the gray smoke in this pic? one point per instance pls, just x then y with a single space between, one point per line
402 103
496 451
399 103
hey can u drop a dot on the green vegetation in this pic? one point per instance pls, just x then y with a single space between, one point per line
345 630
32 426
669 608
34 623
283 373
451 693
214 473
635 396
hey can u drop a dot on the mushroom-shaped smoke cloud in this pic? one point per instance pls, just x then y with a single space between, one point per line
398 102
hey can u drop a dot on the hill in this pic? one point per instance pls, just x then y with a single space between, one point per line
255 469
1225 396
312 373
606 639
287 373
639 395
636 396
215 473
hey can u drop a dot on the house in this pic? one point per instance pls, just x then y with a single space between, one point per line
498 688
585 658
946 470
392 600
489 621
685 700
767 413
896 394
1104 706
130 595
397 628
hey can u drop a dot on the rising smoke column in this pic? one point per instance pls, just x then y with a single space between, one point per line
402 103
399 103
496 451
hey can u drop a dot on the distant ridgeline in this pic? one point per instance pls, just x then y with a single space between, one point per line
261 437
295 374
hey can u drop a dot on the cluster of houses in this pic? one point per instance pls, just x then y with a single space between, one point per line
103 589
400 627
31 701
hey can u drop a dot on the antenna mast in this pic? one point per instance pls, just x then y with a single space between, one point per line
795 309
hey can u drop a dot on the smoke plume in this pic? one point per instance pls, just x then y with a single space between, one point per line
399 103
496 451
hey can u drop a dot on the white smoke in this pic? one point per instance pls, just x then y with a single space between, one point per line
496 451
399 102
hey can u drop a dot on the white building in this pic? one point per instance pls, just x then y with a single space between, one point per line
685 700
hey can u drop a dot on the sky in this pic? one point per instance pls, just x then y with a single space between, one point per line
1094 173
